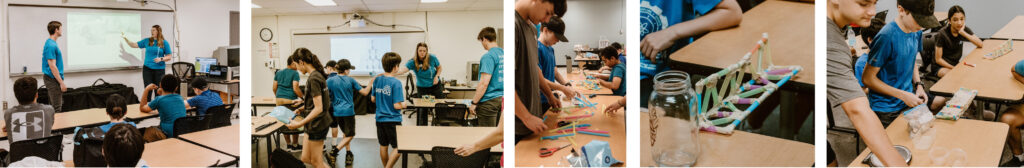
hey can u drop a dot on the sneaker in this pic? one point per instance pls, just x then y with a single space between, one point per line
348 158
331 156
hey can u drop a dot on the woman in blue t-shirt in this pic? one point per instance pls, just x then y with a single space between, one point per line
158 52
427 69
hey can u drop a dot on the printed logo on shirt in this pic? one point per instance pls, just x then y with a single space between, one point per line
651 19
27 124
386 90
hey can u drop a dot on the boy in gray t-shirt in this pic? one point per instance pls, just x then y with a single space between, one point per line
29 120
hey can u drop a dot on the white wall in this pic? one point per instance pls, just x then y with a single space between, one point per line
587 20
983 17
451 36
203 27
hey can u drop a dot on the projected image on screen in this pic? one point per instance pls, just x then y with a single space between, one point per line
94 39
364 51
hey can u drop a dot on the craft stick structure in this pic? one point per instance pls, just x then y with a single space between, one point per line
1003 49
723 100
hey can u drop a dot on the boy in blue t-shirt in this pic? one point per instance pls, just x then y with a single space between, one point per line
53 66
169 105
205 98
116 106
552 32
486 102
342 87
387 95
891 74
668 25
617 80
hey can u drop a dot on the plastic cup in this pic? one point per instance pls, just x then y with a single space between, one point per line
938 156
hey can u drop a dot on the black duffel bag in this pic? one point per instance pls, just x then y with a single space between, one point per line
94 96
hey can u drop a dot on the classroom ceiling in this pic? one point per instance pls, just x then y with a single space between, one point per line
299 7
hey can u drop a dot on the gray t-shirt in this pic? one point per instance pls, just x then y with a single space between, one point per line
842 85
527 87
30 121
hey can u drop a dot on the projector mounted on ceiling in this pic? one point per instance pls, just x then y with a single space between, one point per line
357 21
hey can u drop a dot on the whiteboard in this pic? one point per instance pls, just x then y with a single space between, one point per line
403 43
27 32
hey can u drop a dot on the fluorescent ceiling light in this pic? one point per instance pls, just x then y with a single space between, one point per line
321 2
256 6
433 1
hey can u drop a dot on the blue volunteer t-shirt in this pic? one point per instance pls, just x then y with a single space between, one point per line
546 62
657 15
424 78
284 79
342 88
492 63
894 52
154 51
205 100
106 127
52 51
170 107
386 92
619 71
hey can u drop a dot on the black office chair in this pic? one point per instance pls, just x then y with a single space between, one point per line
48 148
929 68
450 114
446 157
191 124
832 127
183 70
220 115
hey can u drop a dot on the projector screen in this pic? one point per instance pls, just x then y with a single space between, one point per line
94 39
363 51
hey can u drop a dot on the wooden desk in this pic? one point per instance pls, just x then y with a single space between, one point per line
941 15
578 76
262 101
80 118
527 151
422 139
1014 29
741 149
790 27
992 78
424 103
267 133
221 139
135 114
177 153
982 140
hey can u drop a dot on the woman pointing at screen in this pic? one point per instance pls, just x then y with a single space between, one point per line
157 53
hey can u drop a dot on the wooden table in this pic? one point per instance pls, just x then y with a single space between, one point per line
578 76
790 27
982 141
220 139
741 149
527 151
1014 29
262 101
422 139
67 121
992 78
177 153
267 133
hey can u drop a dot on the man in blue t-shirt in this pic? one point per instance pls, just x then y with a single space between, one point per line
551 33
617 80
668 25
486 102
342 87
53 67
387 95
205 98
169 105
891 75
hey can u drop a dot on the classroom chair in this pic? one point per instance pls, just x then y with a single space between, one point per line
450 114
446 157
184 71
928 66
191 124
48 148
852 131
220 115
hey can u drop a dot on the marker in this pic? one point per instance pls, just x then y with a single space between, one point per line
969 64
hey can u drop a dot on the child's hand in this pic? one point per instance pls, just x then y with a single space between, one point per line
472 109
921 94
151 87
296 102
912 100
612 108
656 42
293 125
534 123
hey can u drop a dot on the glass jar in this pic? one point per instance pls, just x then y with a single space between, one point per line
673 120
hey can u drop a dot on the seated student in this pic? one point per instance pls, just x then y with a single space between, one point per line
342 87
26 113
891 75
617 80
123 146
622 55
205 98
169 105
1015 118
949 42
389 105
116 106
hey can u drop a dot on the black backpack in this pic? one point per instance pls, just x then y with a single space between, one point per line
88 147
